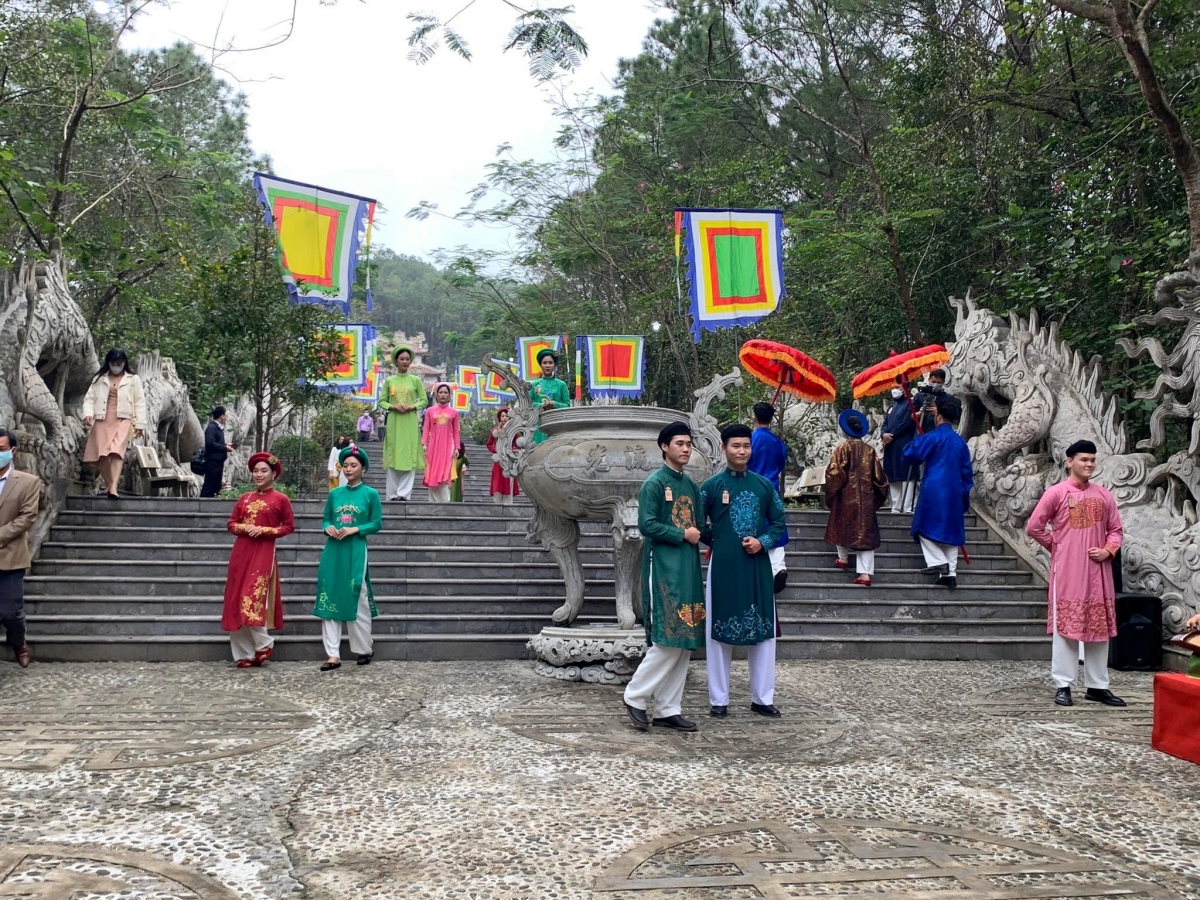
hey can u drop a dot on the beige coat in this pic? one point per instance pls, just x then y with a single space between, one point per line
18 513
131 401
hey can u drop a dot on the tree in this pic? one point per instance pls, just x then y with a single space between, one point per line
251 339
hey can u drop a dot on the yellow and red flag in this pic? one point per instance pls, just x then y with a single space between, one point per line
616 365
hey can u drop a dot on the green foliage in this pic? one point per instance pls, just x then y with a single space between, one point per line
479 424
242 487
336 419
303 461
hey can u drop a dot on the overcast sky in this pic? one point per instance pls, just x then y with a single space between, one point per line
339 104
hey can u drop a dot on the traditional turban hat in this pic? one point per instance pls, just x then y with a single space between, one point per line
269 458
674 430
853 423
543 353
736 430
357 452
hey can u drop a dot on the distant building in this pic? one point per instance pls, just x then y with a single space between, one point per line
431 375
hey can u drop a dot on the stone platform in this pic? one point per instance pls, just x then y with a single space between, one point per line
905 781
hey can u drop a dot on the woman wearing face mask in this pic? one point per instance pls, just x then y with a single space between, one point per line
898 430
114 406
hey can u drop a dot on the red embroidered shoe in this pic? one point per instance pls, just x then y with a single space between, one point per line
245 663
263 655
864 580
842 563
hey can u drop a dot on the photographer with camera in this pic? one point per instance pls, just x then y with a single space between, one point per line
927 394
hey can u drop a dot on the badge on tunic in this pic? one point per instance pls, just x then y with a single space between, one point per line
1071 500
725 497
668 496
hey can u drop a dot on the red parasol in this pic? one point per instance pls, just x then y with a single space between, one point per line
905 366
787 369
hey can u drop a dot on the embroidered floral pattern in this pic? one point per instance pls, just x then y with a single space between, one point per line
683 512
750 628
691 614
745 514
254 605
1086 512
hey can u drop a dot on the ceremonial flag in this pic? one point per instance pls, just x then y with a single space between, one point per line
461 398
493 391
616 364
319 232
527 350
734 266
369 392
350 375
469 377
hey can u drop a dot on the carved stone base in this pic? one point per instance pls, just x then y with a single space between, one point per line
598 654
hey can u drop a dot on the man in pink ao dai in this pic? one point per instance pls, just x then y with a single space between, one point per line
1077 521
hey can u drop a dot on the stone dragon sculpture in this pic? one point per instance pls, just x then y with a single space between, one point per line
45 376
1040 396
172 426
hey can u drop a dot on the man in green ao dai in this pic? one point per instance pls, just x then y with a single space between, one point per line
674 601
746 518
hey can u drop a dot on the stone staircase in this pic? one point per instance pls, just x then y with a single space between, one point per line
142 579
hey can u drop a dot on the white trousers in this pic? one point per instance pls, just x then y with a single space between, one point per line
502 499
359 630
864 560
399 484
1064 662
937 554
439 493
720 659
660 679
903 495
778 556
248 640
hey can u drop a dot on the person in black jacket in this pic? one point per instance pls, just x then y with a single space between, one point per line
898 430
215 453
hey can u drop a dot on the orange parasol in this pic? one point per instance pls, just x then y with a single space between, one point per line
904 366
787 369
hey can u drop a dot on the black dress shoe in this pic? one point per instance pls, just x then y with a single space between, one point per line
364 660
676 722
1103 695
943 569
719 712
948 581
1062 697
639 717
780 581
330 666
24 656
765 709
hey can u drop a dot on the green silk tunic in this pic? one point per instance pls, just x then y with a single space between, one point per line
739 505
543 389
343 566
402 448
674 600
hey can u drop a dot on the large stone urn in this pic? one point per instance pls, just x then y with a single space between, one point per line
590 467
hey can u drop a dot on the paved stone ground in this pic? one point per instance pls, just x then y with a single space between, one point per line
482 780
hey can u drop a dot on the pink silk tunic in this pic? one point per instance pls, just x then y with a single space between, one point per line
441 439
1068 521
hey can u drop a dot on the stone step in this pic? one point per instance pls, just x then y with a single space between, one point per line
465 570
477 623
923 647
308 547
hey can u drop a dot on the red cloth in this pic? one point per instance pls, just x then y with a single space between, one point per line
1177 716
252 592
501 483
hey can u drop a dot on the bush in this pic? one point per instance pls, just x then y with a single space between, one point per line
245 487
303 461
479 425
342 420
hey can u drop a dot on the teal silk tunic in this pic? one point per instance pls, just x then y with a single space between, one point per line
343 567
674 602
739 505
543 389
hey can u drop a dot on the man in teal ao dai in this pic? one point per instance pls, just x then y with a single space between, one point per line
668 504
745 515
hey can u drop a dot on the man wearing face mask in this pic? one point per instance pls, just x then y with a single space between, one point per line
19 493
898 430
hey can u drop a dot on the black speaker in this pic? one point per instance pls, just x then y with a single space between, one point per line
1138 644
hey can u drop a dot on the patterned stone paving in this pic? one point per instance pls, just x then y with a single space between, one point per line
913 781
